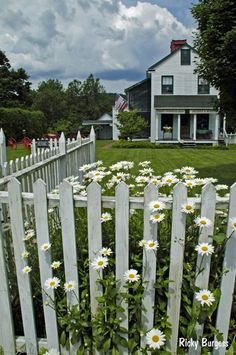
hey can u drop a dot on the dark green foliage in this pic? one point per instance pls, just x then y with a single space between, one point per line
215 42
130 124
14 120
14 85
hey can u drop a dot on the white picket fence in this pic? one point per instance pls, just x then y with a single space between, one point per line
62 159
122 203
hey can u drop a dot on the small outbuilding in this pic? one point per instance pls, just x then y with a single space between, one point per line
102 126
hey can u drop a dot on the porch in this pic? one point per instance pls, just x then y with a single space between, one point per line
200 128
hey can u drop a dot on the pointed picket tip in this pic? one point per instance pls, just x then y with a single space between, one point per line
93 187
122 186
180 186
14 184
65 185
40 182
233 187
2 135
92 133
62 138
209 187
151 188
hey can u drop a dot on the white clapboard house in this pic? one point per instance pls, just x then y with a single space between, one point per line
180 105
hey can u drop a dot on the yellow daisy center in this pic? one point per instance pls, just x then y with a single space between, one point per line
205 297
203 222
169 180
157 216
234 224
156 205
100 263
204 248
155 338
151 245
188 207
52 283
69 286
131 276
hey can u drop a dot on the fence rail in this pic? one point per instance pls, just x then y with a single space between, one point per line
62 159
94 202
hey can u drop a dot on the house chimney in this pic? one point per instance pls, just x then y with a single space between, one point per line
175 44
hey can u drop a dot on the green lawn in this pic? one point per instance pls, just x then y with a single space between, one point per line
19 152
220 164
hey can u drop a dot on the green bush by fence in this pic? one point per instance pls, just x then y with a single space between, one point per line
14 120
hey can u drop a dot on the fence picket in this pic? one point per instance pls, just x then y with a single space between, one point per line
149 261
42 231
228 278
208 203
69 239
122 243
6 327
94 239
23 280
176 263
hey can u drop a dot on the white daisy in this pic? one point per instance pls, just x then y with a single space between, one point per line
205 297
188 170
69 286
155 338
232 222
221 187
52 283
203 222
142 179
145 163
99 263
142 243
188 207
106 251
25 254
169 180
146 171
27 269
106 217
156 205
131 275
45 246
56 264
157 217
30 233
204 248
151 245
190 183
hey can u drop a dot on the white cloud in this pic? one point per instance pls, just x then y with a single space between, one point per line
69 39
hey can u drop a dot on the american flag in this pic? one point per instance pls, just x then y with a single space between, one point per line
120 103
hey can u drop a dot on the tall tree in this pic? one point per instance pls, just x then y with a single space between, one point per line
50 98
215 42
14 85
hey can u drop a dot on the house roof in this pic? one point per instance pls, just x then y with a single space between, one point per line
185 102
170 55
137 84
103 120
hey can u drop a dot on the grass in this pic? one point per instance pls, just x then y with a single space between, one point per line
220 164
19 152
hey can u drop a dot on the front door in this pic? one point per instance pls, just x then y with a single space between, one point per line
185 126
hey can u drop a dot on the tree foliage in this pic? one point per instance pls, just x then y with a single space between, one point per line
14 85
215 42
130 124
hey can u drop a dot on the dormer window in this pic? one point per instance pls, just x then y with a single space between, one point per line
185 57
167 84
203 86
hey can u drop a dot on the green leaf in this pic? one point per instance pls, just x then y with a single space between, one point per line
232 349
219 238
107 344
63 338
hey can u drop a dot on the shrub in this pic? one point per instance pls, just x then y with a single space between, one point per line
14 120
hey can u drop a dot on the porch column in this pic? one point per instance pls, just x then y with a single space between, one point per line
157 116
217 127
178 127
194 127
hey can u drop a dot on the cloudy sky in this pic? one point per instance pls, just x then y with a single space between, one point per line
116 40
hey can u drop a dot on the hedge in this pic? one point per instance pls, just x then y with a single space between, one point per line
14 120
